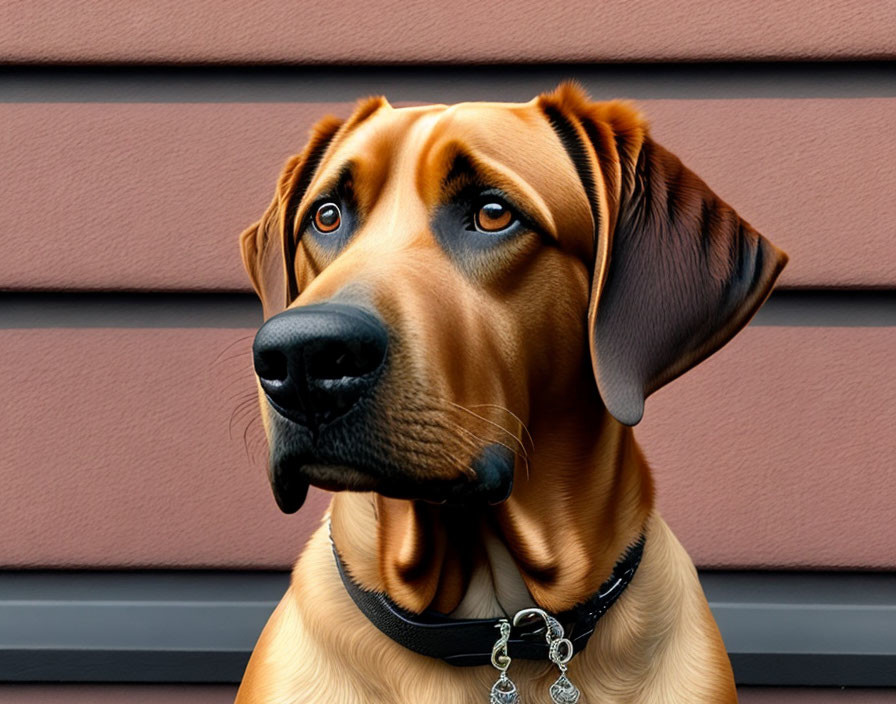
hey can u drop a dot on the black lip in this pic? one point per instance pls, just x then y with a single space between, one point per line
293 471
290 492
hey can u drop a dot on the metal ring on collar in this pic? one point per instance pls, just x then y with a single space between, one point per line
554 629
556 656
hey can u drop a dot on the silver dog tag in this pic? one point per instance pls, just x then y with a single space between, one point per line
564 692
504 692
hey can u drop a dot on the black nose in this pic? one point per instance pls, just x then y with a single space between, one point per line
315 362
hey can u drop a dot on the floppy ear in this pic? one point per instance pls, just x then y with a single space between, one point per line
264 261
268 247
682 272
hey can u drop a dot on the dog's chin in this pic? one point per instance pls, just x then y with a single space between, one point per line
491 483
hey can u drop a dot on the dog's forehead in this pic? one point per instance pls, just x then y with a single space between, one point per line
419 142
518 139
513 133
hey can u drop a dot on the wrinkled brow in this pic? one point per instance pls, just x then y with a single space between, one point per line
363 112
454 166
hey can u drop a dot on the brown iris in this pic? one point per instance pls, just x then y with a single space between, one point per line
493 217
327 218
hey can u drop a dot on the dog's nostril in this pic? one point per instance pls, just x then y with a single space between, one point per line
341 366
271 365
330 361
340 359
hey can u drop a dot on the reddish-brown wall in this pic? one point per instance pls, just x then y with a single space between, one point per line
460 31
150 196
124 441
117 440
118 451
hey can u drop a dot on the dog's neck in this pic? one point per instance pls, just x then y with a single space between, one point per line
587 496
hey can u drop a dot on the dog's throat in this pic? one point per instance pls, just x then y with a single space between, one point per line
556 538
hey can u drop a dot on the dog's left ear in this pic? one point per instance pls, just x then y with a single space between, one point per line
677 272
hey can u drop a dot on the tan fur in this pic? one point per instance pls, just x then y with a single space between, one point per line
477 360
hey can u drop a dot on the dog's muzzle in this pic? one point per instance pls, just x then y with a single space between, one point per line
319 367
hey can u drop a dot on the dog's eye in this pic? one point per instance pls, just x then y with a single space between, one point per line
327 218
493 216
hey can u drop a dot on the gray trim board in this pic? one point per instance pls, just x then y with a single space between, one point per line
132 627
828 308
129 310
23 310
836 629
807 629
858 79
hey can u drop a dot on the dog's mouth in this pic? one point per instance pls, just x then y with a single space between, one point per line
349 410
292 471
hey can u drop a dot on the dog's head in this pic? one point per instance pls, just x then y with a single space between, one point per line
434 278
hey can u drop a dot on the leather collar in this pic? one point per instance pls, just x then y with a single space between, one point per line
467 642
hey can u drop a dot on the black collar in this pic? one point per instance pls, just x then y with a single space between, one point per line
470 641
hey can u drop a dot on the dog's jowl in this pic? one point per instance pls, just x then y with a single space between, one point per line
465 309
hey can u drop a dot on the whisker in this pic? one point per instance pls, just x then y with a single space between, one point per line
473 441
222 363
485 441
513 415
244 394
252 424
491 422
425 456
521 455
230 345
240 412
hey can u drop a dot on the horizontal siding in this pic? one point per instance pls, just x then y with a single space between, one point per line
460 31
118 452
153 196
139 138
780 451
777 452
205 694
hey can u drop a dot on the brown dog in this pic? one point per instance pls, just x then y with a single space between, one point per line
450 282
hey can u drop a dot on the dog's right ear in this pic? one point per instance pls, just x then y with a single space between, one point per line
264 262
268 247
